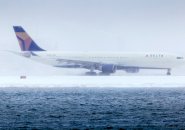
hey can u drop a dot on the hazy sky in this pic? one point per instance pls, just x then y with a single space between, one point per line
91 25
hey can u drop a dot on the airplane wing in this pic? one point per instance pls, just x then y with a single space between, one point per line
101 66
78 64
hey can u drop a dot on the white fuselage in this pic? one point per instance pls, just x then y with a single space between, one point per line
145 60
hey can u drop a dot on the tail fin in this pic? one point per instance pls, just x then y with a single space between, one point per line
25 41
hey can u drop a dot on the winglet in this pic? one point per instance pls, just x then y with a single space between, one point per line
25 41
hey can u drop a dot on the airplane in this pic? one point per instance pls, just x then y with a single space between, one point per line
104 62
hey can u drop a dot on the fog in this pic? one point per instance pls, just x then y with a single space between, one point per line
90 25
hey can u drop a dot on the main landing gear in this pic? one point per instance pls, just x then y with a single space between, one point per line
168 72
91 73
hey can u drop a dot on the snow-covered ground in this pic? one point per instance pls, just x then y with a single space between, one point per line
92 81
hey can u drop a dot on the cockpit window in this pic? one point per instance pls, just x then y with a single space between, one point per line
180 57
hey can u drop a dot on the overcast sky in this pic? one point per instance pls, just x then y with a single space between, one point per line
90 25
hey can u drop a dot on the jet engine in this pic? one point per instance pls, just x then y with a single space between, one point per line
108 68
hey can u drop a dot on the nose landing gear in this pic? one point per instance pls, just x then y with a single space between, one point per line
168 72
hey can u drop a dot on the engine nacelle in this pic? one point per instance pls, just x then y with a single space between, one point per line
108 68
132 70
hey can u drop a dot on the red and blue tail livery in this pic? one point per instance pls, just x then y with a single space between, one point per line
25 41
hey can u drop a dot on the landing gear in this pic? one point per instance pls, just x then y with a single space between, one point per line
168 71
91 73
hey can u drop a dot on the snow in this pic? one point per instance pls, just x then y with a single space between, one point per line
92 81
